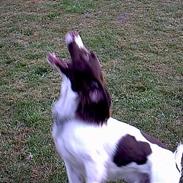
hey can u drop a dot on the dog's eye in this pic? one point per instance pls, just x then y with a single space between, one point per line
85 57
94 85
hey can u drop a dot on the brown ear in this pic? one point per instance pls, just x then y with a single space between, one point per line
58 63
95 105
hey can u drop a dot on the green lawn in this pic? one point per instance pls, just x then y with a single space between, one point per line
140 45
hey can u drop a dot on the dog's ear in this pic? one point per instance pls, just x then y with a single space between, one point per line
96 93
95 104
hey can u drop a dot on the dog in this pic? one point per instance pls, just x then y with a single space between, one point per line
94 146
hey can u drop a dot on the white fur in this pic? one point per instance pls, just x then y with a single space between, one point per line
66 105
87 149
178 155
69 38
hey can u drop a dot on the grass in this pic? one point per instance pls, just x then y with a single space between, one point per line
140 47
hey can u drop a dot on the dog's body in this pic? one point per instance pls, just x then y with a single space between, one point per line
95 147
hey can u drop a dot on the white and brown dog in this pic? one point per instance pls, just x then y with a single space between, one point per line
95 147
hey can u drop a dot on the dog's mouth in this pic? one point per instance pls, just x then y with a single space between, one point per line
75 46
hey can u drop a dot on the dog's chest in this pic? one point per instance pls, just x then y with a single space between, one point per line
77 142
63 139
70 140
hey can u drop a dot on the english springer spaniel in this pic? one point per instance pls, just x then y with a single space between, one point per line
95 147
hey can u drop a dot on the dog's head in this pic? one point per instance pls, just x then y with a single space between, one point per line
86 80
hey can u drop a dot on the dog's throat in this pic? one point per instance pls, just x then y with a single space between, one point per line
61 120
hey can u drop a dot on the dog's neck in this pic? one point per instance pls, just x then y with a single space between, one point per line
65 107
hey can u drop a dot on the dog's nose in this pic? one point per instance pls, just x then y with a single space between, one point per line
74 37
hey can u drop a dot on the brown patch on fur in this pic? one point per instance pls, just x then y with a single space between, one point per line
130 150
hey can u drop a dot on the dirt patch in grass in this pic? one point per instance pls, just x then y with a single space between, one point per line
162 69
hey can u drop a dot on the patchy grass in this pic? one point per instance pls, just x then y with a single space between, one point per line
140 47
